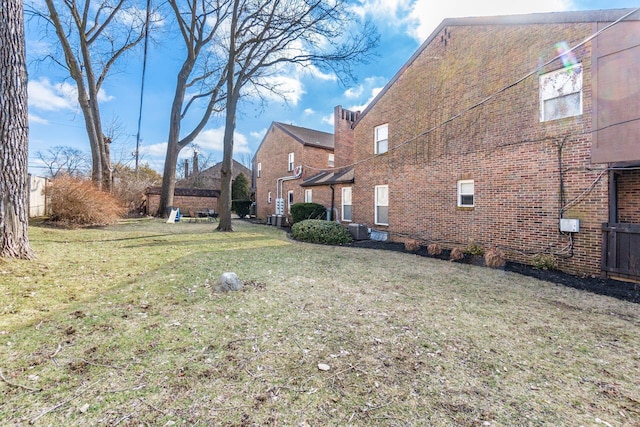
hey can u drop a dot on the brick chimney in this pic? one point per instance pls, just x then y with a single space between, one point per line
343 135
195 163
186 168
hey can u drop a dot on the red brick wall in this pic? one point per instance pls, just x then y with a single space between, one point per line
501 145
343 135
273 153
629 196
185 203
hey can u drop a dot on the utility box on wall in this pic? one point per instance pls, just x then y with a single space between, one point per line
569 225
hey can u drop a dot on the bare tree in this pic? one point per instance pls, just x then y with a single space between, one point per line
64 160
255 42
202 73
93 35
14 134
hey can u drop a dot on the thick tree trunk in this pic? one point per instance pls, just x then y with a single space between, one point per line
14 240
226 171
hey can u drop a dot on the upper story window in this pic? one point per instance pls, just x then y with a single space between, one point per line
332 160
291 163
561 93
259 173
466 189
381 139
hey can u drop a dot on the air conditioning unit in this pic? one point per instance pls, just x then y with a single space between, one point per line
359 231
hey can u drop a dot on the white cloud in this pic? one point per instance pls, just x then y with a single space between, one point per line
154 150
426 15
354 92
328 119
421 17
374 92
212 140
47 96
33 119
258 134
309 111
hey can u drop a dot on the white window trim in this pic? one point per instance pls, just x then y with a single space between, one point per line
291 164
332 160
375 207
344 204
559 83
460 193
259 169
308 195
376 140
289 200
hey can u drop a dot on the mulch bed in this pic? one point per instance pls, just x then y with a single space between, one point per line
627 291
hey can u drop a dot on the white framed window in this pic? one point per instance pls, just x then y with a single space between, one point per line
332 160
289 200
381 139
259 173
466 190
561 93
308 196
269 197
382 205
346 204
291 162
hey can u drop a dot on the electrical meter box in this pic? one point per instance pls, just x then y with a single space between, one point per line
279 206
569 225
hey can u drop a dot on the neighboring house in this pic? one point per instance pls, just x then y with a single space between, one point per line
483 136
198 192
211 177
189 200
299 165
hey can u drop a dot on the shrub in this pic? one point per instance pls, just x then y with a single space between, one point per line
494 258
320 231
241 207
302 211
411 245
457 254
434 249
544 262
129 185
78 202
474 248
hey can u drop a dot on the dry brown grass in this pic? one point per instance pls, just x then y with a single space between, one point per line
408 340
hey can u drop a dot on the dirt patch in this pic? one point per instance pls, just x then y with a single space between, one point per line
626 291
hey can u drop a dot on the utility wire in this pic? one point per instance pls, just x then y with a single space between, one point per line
144 71
493 95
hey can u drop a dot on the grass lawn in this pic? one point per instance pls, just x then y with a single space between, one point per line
121 326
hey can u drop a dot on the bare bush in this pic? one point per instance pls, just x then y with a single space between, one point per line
78 202
411 245
434 249
495 258
457 254
129 186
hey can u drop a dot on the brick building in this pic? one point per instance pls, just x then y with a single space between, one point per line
301 165
495 130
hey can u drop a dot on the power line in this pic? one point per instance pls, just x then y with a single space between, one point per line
144 71
493 95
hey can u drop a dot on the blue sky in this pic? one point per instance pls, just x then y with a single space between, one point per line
55 118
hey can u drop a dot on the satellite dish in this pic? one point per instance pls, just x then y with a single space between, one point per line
297 172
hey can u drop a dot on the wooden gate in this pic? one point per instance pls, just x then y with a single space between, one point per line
621 250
